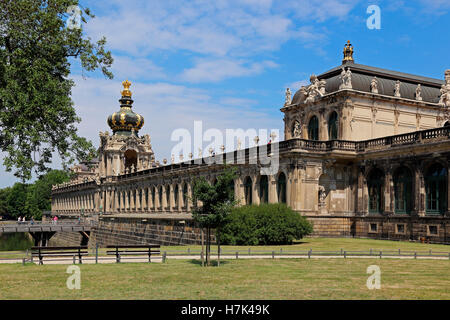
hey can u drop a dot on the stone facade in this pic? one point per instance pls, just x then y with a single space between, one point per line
362 157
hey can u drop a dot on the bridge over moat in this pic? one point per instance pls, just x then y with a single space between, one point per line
43 231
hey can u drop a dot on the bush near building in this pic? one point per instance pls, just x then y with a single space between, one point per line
265 224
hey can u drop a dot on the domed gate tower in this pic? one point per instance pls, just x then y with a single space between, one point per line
125 151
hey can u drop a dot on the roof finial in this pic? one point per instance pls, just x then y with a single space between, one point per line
348 52
126 85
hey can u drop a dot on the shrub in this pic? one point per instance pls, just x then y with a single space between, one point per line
266 224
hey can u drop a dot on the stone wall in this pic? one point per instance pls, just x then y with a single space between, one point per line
331 226
64 239
134 231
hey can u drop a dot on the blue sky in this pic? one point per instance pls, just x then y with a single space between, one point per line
228 63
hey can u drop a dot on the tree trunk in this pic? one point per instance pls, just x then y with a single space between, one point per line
203 249
218 247
208 247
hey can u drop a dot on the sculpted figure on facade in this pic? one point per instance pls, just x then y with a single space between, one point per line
418 93
374 85
346 78
297 129
288 100
322 195
315 90
397 89
444 99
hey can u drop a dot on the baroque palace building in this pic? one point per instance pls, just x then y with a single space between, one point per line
365 154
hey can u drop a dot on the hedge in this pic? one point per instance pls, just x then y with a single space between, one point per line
265 224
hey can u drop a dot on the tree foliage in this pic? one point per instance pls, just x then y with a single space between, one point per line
212 203
266 224
37 117
30 200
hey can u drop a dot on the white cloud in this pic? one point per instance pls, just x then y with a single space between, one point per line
133 68
220 69
220 28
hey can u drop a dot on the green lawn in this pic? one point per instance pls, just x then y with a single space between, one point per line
234 279
328 244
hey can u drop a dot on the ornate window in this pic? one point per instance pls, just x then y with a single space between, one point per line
403 190
248 190
263 189
375 186
313 129
333 126
154 197
185 191
281 188
146 190
175 195
436 189
167 196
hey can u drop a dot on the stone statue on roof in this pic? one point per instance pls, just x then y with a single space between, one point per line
418 93
346 78
288 97
374 85
444 99
397 89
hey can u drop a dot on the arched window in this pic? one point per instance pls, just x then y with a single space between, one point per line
281 188
248 190
333 126
436 189
140 198
153 197
313 129
168 196
175 196
185 191
375 186
403 190
263 189
146 190
447 123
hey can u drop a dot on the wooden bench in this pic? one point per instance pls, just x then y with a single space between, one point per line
42 252
148 250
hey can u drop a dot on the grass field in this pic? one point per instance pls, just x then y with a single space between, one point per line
243 279
235 279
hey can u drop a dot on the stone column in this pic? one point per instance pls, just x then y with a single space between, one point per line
150 204
255 190
144 200
180 198
138 199
171 198
419 192
362 193
387 192
107 203
273 196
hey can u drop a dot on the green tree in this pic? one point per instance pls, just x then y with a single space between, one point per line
16 200
4 201
211 205
37 116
